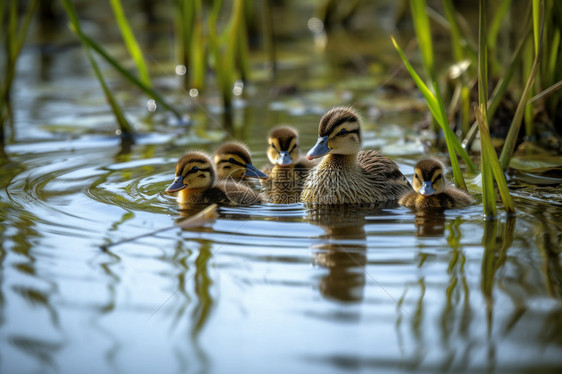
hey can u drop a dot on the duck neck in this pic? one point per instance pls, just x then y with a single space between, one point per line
340 161
190 194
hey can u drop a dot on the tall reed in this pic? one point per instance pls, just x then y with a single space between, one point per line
13 39
131 41
226 50
515 126
126 131
431 90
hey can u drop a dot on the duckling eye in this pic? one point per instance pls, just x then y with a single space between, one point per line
195 168
273 146
231 160
342 132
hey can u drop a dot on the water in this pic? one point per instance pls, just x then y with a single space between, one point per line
273 288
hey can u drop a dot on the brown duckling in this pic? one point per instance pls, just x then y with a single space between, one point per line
431 190
288 171
284 150
196 183
347 175
233 162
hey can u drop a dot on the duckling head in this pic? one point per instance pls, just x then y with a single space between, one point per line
194 170
339 132
428 177
283 147
232 160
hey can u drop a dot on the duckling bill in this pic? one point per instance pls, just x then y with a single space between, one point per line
431 190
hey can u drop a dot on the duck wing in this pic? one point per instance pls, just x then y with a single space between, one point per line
383 172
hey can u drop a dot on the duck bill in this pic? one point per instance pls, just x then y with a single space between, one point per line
284 159
253 172
427 189
176 185
319 149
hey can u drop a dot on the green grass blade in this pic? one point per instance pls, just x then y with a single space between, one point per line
197 51
482 59
536 24
491 165
130 41
87 41
510 140
495 25
492 37
450 139
553 58
125 73
243 48
14 40
423 33
457 41
25 25
501 87
437 110
125 127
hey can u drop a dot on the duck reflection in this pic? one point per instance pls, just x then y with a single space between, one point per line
430 224
342 250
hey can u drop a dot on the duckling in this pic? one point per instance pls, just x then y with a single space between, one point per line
233 162
284 150
431 190
287 172
347 175
196 183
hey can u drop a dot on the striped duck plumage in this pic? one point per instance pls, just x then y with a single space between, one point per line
233 162
431 190
196 183
287 171
347 175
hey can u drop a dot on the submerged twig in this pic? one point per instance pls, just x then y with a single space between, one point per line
207 215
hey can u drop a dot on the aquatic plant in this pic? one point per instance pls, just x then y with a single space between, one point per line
13 39
543 63
126 131
432 92
142 83
229 52
130 41
202 47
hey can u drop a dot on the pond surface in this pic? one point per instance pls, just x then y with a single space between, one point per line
272 288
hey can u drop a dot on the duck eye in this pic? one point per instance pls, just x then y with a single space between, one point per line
274 147
231 160
342 132
195 168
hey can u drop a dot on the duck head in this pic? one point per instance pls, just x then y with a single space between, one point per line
233 160
428 177
283 147
339 132
194 170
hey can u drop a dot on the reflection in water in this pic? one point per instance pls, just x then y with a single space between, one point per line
342 251
195 306
109 264
430 223
19 229
497 238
